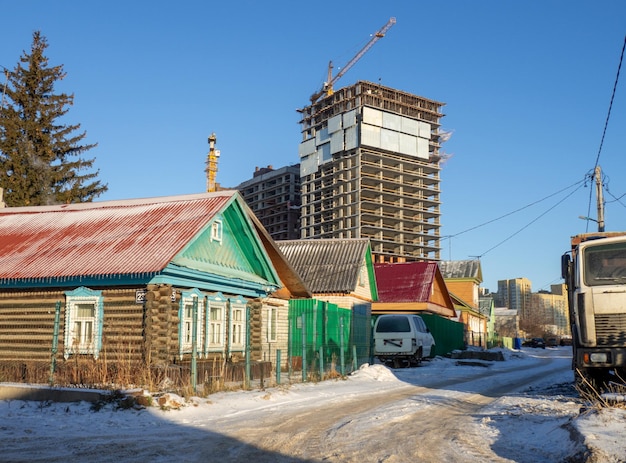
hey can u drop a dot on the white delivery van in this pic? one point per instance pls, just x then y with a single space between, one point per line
401 339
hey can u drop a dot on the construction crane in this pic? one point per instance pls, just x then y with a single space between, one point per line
327 88
211 164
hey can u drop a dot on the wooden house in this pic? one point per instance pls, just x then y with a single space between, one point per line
270 327
463 279
335 270
340 276
130 290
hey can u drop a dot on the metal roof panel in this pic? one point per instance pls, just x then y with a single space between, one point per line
101 238
405 281
327 265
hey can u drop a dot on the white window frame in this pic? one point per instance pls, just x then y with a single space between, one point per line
272 324
237 325
215 304
185 327
75 323
363 276
217 231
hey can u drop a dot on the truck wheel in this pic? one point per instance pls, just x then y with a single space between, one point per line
591 381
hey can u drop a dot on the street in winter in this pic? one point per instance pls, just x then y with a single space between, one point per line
522 409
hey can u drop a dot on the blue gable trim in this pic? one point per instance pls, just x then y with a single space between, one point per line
181 276
172 274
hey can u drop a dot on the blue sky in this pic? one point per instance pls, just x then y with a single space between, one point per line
527 87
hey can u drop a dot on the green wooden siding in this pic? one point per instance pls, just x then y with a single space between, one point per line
237 254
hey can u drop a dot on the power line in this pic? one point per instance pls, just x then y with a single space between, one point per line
517 210
615 198
606 124
529 223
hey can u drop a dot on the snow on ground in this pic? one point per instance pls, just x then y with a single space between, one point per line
29 430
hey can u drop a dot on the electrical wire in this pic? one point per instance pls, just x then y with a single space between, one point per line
606 124
529 223
517 210
615 198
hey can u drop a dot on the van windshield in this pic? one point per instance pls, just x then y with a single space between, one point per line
393 324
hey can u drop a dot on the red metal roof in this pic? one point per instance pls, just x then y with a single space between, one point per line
405 281
101 238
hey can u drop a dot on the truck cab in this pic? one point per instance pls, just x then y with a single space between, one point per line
595 275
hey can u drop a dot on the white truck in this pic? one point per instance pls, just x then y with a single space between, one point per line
595 274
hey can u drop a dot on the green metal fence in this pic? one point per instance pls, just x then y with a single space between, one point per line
448 334
327 340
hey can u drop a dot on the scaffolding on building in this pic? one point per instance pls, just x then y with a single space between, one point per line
355 185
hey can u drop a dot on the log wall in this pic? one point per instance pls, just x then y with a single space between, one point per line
140 342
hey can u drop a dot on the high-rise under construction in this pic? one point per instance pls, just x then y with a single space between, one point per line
369 167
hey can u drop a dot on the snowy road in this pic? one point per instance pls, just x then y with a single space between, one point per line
513 411
432 420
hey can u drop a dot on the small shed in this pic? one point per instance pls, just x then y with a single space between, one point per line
419 288
411 287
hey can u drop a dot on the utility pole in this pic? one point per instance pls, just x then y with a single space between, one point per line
600 199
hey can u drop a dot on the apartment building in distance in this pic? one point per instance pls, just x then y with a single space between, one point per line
551 309
369 168
274 197
515 294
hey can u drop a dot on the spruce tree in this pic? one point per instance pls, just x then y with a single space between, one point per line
40 157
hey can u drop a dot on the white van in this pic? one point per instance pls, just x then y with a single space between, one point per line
402 338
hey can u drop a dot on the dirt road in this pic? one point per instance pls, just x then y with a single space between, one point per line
440 412
430 423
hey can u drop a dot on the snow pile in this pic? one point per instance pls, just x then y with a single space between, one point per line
369 372
604 431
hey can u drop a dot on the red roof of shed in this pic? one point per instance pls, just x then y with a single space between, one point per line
405 282
102 238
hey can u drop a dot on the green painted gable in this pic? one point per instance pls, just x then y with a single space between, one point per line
371 274
228 246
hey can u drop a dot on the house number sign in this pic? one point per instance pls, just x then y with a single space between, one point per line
140 296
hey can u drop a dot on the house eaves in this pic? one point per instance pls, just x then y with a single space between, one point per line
461 305
410 287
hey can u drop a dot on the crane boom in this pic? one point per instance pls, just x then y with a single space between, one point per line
328 85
